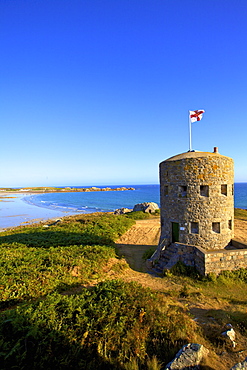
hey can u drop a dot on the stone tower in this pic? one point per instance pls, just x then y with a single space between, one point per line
196 200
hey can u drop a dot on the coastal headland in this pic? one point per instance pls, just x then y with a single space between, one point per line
34 190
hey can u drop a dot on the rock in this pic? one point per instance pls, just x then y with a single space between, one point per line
121 211
53 223
230 334
189 357
148 207
240 365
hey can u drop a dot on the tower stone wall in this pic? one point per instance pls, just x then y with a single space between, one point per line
197 200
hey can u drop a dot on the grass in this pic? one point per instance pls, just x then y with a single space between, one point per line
240 214
108 327
139 215
107 324
28 273
36 261
149 252
227 292
78 230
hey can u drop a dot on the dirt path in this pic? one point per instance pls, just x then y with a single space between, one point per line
143 232
145 235
240 230
142 236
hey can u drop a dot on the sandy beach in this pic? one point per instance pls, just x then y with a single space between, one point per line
15 212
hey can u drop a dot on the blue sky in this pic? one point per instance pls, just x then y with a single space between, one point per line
97 92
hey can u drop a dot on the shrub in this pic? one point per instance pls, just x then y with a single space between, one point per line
181 269
102 328
240 213
229 276
84 230
28 273
149 252
36 261
138 215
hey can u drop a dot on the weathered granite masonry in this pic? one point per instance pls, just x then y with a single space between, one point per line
197 214
223 259
205 261
196 196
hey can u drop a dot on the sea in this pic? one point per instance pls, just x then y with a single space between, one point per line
96 201
108 201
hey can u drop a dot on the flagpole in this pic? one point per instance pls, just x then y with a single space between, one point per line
193 117
190 135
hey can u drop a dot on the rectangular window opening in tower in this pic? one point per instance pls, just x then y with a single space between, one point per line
182 191
224 189
165 190
216 227
204 190
230 224
194 227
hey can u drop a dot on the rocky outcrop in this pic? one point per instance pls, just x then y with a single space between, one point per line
189 357
121 211
66 189
192 354
240 365
230 334
148 207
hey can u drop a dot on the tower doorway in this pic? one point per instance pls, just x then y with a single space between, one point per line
175 232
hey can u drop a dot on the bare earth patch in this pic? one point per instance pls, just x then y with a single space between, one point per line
145 235
143 232
240 230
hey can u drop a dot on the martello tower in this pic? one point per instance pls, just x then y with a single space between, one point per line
197 200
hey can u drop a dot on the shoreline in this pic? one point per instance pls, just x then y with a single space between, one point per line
44 190
15 212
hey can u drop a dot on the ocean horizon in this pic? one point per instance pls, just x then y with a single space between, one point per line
96 201
24 209
109 201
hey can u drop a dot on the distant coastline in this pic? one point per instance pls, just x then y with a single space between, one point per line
16 210
38 190
22 206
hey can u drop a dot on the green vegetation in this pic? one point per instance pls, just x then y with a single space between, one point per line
148 254
61 310
103 328
219 291
240 213
65 189
109 325
9 189
35 260
140 215
28 273
180 269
